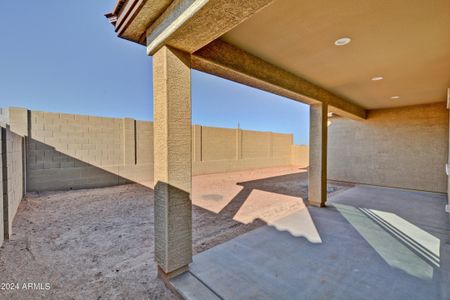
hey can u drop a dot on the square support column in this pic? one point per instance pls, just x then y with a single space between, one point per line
318 140
172 161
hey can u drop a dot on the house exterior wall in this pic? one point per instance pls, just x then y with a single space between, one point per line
403 147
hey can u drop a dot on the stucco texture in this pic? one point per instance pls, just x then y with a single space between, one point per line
403 147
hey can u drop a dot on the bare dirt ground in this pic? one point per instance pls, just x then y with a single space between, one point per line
98 243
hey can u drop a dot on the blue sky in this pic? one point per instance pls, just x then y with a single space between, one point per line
63 56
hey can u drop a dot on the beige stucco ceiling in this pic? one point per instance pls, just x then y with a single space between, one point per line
405 41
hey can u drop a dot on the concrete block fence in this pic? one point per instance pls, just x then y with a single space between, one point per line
44 151
66 151
12 175
447 167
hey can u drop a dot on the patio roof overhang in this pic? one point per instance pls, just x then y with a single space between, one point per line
195 27
288 48
406 44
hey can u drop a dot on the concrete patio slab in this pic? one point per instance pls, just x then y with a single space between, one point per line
190 287
373 243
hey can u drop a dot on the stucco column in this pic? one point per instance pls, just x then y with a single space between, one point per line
172 160
318 137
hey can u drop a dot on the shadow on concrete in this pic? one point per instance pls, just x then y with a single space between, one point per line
408 229
377 243
293 185
277 201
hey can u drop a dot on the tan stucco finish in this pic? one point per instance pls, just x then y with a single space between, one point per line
208 21
318 139
401 147
222 59
406 42
172 154
192 25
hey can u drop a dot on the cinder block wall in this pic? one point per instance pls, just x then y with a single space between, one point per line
12 173
300 155
14 176
2 234
218 150
66 151
403 147
448 161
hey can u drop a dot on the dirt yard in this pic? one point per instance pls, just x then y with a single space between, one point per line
98 243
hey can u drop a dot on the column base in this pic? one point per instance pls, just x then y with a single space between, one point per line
166 277
317 204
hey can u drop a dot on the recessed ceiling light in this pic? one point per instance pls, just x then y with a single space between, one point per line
376 78
395 97
343 41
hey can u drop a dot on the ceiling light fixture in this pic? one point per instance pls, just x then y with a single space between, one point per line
395 97
342 41
376 78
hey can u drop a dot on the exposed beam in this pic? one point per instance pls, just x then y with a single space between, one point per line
227 61
189 25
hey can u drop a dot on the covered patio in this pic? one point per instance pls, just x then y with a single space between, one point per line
375 75
370 243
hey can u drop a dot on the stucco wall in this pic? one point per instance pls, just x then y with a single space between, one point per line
402 147
68 151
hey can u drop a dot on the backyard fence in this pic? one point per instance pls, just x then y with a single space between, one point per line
66 151
44 151
12 177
